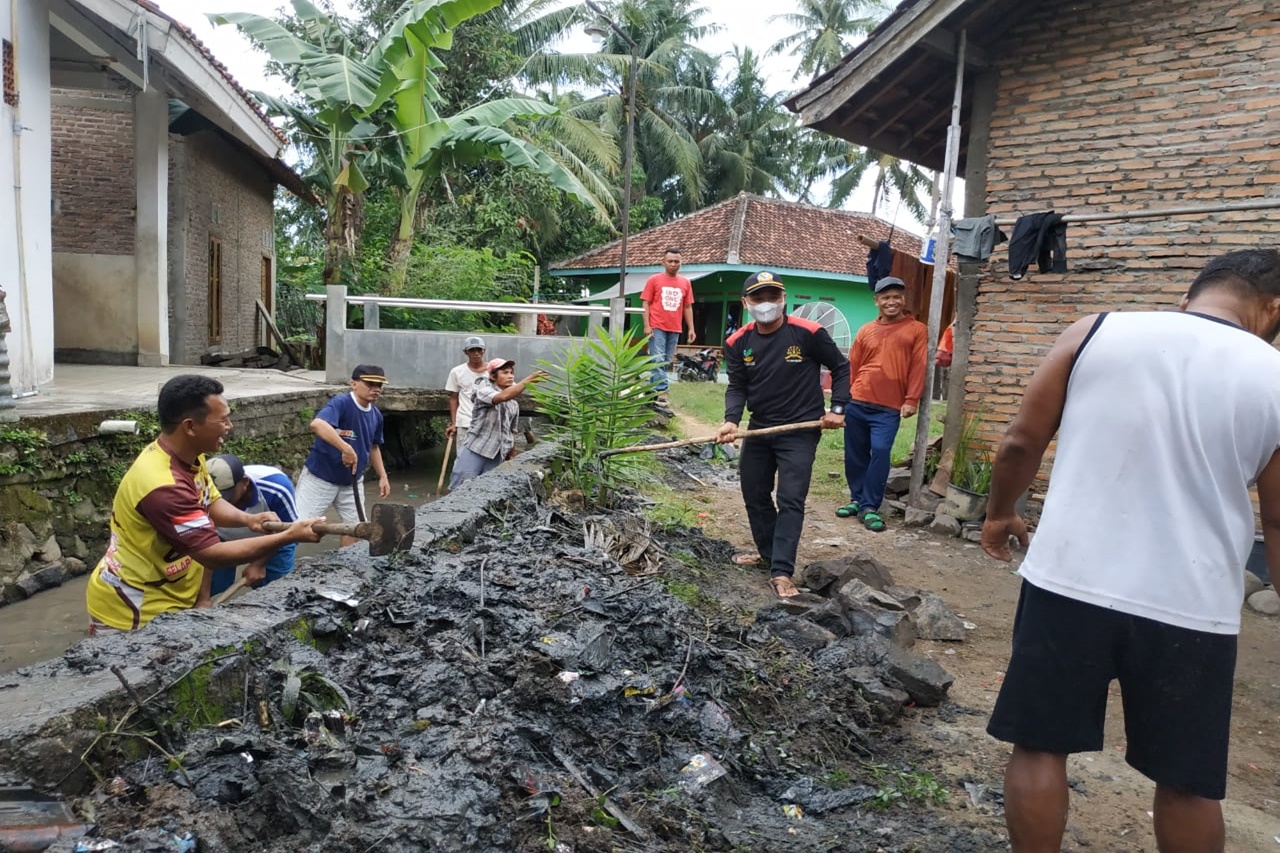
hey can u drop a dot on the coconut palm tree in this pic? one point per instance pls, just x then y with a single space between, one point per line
850 164
672 83
824 31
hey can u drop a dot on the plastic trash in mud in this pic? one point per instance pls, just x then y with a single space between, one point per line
637 684
700 772
568 677
152 841
542 797
793 811
340 596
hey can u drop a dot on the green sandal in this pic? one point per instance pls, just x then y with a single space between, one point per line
849 510
872 521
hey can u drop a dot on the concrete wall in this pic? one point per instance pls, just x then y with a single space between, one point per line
215 191
25 250
1122 105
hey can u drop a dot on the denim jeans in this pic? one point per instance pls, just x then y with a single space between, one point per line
869 432
662 347
777 466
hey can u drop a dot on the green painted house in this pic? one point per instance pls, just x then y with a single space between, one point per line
819 253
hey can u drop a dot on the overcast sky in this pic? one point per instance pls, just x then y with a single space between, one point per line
742 22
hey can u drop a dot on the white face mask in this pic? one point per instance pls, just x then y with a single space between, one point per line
765 312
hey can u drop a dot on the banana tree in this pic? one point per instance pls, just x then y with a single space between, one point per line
340 89
432 145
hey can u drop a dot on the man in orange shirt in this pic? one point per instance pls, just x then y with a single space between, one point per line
886 379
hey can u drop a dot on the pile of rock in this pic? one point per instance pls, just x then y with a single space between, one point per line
857 620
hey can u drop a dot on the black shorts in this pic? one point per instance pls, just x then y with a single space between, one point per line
1175 685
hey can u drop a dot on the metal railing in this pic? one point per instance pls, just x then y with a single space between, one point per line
559 309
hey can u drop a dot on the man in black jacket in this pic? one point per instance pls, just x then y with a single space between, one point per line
775 367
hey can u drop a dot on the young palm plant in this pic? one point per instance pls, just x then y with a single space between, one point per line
598 397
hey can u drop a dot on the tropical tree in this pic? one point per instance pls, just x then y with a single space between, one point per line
673 82
746 147
340 86
891 178
824 31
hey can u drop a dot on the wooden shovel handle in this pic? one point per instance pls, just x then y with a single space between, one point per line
685 442
360 531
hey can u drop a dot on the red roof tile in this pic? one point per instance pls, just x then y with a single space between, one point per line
755 231
189 35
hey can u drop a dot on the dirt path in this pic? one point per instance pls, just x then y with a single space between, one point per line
1110 809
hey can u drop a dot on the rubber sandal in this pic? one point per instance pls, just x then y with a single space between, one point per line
747 559
783 586
849 510
872 521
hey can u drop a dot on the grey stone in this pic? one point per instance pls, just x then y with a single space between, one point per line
28 583
917 517
21 542
830 615
49 576
886 702
899 482
13 593
905 596
827 574
79 549
800 633
974 535
945 524
934 620
867 618
1252 584
49 551
859 591
924 680
73 568
1266 602
84 511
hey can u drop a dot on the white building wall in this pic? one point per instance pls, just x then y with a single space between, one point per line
26 252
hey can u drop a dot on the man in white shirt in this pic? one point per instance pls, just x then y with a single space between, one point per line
1164 420
460 385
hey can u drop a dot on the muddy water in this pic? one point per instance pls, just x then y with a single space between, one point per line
48 624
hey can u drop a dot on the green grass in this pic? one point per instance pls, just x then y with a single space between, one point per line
704 401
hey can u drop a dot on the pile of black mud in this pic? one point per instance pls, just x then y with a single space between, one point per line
526 692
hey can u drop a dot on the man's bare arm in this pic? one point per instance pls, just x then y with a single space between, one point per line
1027 438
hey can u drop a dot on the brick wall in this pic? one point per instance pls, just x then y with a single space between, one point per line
230 198
1122 105
93 183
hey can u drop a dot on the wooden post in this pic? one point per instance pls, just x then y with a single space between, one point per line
939 289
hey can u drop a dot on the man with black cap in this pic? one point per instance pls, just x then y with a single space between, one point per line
492 437
775 368
348 440
253 489
460 384
887 363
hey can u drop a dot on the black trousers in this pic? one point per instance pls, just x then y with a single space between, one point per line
776 527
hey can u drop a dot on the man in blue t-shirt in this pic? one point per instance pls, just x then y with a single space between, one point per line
348 440
253 489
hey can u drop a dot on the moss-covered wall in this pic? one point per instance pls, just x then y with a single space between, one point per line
58 478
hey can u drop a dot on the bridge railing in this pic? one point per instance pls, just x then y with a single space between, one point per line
422 359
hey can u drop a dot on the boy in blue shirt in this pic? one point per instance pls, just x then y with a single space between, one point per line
348 440
253 489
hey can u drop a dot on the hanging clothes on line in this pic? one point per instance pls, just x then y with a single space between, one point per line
1038 236
879 263
976 237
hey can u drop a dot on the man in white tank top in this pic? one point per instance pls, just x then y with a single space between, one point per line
1164 420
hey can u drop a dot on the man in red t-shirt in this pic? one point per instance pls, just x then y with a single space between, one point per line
668 300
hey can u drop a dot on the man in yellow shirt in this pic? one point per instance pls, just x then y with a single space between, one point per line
166 513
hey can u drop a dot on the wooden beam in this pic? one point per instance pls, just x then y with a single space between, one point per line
275 333
891 83
874 58
942 42
912 102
